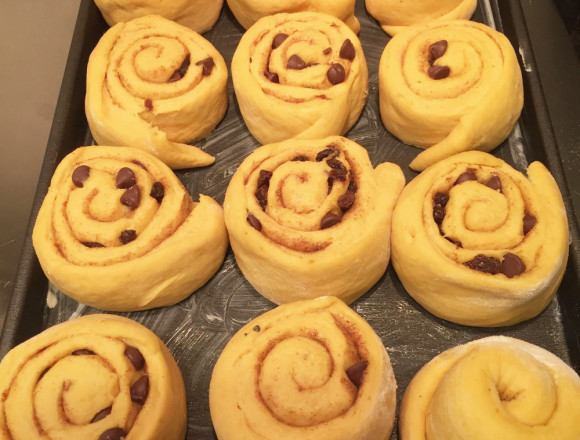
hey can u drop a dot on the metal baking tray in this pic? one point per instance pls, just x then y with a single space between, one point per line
197 329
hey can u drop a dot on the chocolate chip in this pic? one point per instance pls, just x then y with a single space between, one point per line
485 264
356 371
180 73
92 244
529 222
82 352
127 236
438 72
300 158
512 265
264 177
157 191
327 51
278 40
256 328
101 414
338 174
80 175
327 152
149 104
207 64
352 186
262 195
438 49
336 74
254 222
132 197
468 175
335 164
125 178
494 183
272 77
347 50
140 390
329 220
296 63
135 357
113 434
346 200
439 202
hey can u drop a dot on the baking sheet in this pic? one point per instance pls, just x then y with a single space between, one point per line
197 329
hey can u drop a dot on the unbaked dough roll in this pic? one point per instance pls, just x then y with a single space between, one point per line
95 377
118 231
493 388
309 370
154 84
198 15
477 243
247 12
312 217
301 75
448 87
395 15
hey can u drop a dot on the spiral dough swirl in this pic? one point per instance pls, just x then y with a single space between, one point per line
449 86
299 75
118 231
496 387
154 84
314 212
476 242
94 377
312 369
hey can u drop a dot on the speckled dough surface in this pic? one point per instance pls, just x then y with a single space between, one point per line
478 243
156 85
118 231
93 377
310 370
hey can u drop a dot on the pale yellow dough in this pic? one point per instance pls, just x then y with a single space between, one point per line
283 376
292 257
304 103
247 12
474 108
497 388
198 15
179 243
395 15
134 99
488 222
54 384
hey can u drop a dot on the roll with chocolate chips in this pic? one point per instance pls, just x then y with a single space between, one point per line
102 377
299 75
156 85
309 218
309 370
118 231
476 242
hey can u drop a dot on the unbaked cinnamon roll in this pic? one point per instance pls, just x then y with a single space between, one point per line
156 85
247 12
448 87
118 231
476 242
198 15
96 377
496 387
309 370
395 15
308 218
299 75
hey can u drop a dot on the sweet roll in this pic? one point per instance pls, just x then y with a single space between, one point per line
95 377
449 87
118 231
156 85
309 218
309 370
476 242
